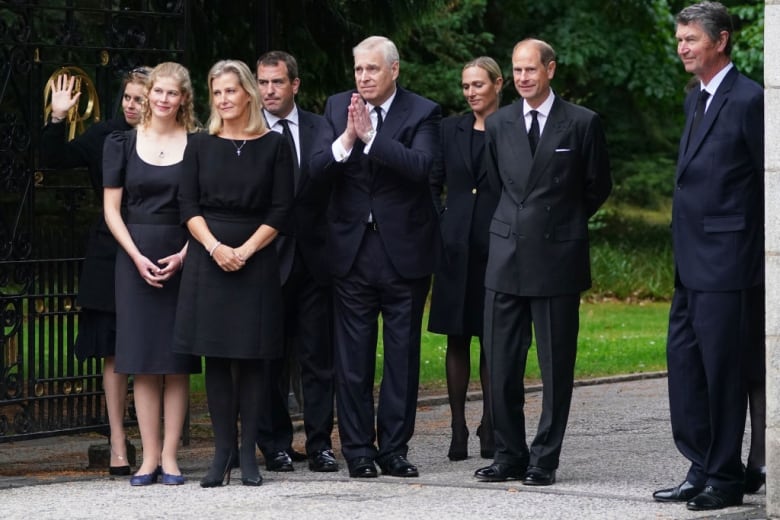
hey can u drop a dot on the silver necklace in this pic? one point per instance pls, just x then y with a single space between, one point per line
161 155
238 148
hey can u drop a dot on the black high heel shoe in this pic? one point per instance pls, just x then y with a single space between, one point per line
754 479
487 446
214 479
459 443
252 481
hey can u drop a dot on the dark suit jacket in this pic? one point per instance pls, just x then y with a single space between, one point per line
718 203
539 233
465 218
392 182
309 226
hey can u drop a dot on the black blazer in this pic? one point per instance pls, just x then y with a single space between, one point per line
309 225
392 182
718 202
539 233
465 218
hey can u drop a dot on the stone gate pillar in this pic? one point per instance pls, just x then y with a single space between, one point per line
772 182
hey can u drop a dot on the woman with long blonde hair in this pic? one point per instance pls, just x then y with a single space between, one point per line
145 166
234 200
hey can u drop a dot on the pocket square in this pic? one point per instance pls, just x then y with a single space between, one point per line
563 149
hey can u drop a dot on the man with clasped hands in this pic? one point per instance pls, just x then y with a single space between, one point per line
382 232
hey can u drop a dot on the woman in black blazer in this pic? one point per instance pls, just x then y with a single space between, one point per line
458 285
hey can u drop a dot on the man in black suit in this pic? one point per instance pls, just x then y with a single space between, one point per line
305 279
382 231
548 159
717 233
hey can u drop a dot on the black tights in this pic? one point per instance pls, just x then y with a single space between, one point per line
458 361
234 389
757 403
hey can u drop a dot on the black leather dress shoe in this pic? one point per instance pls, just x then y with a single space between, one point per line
362 467
278 461
323 460
536 476
754 479
714 498
681 493
296 456
398 466
499 472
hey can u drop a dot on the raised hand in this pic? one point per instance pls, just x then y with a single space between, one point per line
62 96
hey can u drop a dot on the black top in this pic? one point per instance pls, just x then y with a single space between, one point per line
223 186
84 150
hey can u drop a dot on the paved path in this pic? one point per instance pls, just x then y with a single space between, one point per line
618 449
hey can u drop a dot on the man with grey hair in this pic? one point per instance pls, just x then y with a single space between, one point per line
382 238
717 232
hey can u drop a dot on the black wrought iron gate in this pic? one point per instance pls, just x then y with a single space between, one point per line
44 215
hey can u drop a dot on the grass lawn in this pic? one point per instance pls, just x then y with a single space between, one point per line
615 338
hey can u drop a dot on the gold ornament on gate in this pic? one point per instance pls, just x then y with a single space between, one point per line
81 111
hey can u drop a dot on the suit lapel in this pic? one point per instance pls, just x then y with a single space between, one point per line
514 139
463 141
718 100
554 129
396 114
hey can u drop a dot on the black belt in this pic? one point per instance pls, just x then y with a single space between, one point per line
371 226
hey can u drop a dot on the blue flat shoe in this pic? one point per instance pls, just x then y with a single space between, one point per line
172 480
148 479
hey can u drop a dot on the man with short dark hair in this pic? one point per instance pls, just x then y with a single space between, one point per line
306 283
717 232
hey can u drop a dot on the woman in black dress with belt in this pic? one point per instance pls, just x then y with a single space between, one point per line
236 196
97 320
458 295
145 166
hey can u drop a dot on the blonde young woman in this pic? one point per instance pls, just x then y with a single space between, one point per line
458 290
145 167
236 196
97 321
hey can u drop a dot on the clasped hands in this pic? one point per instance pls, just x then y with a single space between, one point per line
153 274
358 123
231 259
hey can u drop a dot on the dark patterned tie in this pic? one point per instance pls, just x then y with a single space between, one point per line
533 132
701 108
290 141
379 120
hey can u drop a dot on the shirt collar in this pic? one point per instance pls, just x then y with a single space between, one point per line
292 117
386 105
716 80
543 109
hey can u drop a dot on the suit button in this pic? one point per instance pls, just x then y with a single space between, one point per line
474 191
556 180
547 235
520 206
679 187
547 208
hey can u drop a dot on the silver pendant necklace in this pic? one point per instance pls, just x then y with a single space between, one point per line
238 148
161 155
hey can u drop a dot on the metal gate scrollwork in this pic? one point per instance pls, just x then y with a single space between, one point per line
45 214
